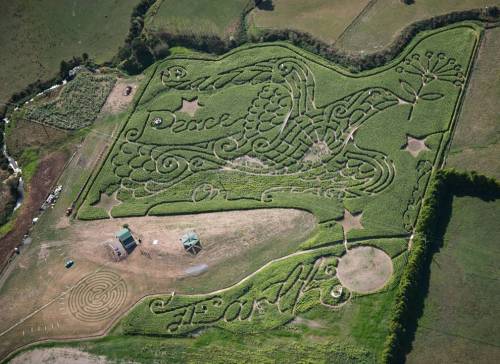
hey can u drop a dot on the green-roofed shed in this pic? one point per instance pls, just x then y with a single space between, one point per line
191 242
126 239
123 235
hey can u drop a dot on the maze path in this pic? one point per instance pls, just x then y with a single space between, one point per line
97 296
281 123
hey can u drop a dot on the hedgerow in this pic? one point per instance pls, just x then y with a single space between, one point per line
427 237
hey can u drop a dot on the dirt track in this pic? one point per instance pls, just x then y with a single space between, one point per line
48 171
57 356
42 299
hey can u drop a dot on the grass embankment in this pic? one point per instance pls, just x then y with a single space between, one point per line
476 144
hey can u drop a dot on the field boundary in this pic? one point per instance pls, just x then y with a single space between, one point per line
407 307
355 21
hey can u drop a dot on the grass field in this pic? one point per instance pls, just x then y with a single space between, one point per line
460 320
197 17
386 18
324 19
37 35
476 142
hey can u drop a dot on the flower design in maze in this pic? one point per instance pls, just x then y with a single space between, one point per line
97 296
424 70
306 284
282 132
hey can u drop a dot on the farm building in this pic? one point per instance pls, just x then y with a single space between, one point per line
125 237
191 242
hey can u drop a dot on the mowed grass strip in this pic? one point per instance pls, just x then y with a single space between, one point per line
324 19
197 17
37 35
387 18
460 319
476 142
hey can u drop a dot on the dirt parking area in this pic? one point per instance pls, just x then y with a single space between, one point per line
161 254
41 299
48 171
119 99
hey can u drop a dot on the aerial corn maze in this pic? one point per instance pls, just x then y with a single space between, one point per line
268 126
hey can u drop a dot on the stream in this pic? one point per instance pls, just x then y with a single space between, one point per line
17 172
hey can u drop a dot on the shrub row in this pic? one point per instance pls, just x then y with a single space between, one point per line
428 234
140 50
357 62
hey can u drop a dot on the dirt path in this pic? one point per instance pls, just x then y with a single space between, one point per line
57 356
43 300
48 171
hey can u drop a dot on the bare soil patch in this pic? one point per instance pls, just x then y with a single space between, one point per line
364 269
108 202
351 221
415 146
317 152
41 299
190 107
57 356
160 253
117 99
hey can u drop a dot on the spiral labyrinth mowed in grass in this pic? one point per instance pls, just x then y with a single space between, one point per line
97 296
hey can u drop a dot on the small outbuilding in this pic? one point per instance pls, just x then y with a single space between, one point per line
116 250
125 237
191 242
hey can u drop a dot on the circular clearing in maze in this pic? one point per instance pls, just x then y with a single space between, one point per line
97 296
364 269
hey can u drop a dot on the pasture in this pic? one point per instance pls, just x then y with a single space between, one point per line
383 21
36 36
336 165
196 17
476 144
460 310
324 19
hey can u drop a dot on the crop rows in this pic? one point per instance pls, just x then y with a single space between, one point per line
273 126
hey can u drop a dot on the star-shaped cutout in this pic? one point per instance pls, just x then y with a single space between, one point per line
190 107
414 146
351 221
